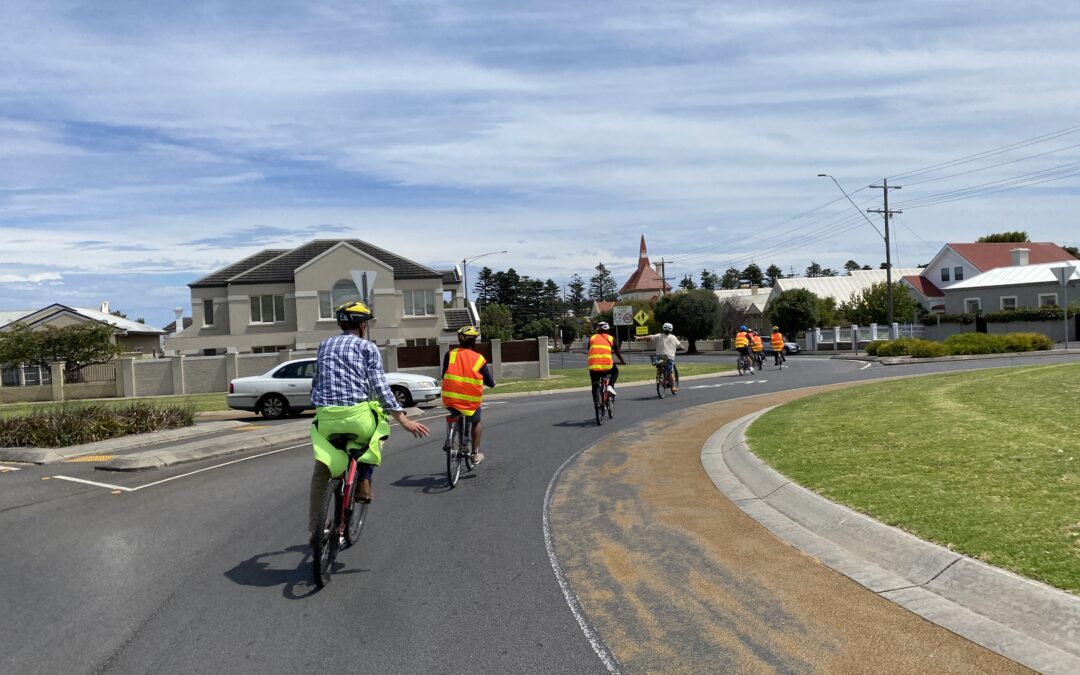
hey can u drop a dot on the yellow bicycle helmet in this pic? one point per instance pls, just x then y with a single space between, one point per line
353 313
468 332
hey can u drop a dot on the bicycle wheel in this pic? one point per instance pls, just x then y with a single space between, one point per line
740 365
326 539
660 383
453 456
598 403
466 447
355 517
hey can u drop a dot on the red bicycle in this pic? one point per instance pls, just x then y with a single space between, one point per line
602 399
341 517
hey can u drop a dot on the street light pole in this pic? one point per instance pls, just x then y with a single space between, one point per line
465 275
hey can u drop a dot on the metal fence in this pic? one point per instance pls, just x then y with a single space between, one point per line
98 372
31 376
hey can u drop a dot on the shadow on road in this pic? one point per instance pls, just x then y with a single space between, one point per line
579 424
432 483
260 571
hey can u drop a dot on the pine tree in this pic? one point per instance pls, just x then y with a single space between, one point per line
576 290
602 285
753 274
773 273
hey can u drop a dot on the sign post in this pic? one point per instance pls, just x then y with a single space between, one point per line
642 318
622 315
1064 275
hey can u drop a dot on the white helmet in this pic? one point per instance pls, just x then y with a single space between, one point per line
667 327
603 325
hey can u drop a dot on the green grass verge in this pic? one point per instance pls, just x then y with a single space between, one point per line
986 463
579 377
199 402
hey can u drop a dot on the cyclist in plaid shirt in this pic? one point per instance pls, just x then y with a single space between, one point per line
347 365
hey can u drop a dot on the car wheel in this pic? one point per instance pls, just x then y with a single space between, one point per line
787 351
273 407
404 398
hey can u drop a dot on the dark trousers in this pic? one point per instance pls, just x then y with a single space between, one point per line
595 375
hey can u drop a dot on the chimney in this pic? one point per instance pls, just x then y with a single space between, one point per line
104 306
1020 256
179 325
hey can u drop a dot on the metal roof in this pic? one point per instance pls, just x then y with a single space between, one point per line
1019 275
842 288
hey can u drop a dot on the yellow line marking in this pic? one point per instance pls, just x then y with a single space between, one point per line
248 427
44 478
90 458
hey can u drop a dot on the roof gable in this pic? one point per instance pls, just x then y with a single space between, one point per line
923 286
988 256
282 268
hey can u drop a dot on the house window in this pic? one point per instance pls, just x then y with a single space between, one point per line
208 312
420 303
267 308
210 351
344 291
958 273
944 273
1048 300
972 305
274 349
421 342
1008 302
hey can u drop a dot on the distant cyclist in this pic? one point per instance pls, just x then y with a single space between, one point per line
742 345
666 346
756 347
465 372
601 363
777 342
347 365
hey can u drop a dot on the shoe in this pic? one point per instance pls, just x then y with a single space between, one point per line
674 391
611 390
363 491
751 371
477 457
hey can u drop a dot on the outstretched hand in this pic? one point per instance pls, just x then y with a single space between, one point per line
415 428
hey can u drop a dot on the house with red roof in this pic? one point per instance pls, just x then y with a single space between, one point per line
957 262
645 283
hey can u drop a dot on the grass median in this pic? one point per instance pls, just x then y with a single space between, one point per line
579 377
986 463
198 402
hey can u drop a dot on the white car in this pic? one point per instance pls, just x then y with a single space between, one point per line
286 389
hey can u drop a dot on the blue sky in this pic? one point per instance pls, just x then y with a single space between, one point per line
144 144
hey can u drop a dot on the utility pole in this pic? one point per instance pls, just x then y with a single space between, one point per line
885 187
663 275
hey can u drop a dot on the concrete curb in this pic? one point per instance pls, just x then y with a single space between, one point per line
1023 620
904 360
208 448
53 455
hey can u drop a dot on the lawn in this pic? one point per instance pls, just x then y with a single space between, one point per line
986 463
579 377
200 402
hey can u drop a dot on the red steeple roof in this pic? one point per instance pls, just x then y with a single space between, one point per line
644 278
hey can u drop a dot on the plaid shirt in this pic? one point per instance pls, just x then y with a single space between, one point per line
347 365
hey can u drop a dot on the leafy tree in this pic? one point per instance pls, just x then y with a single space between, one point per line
496 323
867 267
794 310
828 312
773 273
602 285
1004 238
814 270
695 314
571 327
576 289
506 287
753 274
1073 251
709 280
78 346
871 305
850 266
732 315
539 327
731 278
484 288
687 283
551 297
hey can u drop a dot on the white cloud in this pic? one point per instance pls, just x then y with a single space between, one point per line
29 278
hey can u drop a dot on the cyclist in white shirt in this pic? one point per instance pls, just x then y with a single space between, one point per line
666 346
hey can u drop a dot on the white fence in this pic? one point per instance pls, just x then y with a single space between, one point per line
852 338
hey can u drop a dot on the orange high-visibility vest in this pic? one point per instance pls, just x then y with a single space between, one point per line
463 385
600 352
741 340
755 341
777 340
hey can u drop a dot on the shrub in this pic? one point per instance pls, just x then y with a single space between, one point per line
1046 313
894 347
933 319
1026 342
975 343
926 349
872 348
65 425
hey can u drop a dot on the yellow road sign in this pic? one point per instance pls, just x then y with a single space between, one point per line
641 330
641 317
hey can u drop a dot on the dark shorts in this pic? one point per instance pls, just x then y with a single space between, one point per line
745 351
473 419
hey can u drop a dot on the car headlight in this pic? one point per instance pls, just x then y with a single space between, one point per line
428 384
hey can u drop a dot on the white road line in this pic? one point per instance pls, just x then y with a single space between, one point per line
726 384
95 484
5 469
868 364
598 646
216 466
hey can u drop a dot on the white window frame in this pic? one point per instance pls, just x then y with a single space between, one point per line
978 305
421 342
1015 303
274 305
326 302
1054 303
427 300
207 302
945 274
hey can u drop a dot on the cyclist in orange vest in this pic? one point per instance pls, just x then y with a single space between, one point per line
742 343
777 342
601 347
465 372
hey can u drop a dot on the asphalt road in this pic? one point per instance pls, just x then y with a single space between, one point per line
208 572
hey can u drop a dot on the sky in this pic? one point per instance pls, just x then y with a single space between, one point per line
145 144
